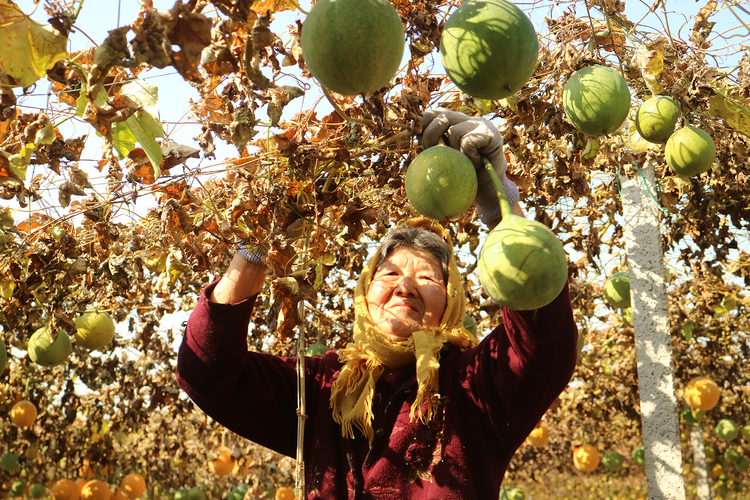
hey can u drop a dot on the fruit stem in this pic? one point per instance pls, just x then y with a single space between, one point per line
505 208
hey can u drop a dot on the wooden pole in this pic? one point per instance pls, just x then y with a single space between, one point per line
653 343
299 482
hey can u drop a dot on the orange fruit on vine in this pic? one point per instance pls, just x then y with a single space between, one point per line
65 489
80 483
284 493
23 413
224 463
717 471
702 393
120 495
96 489
539 436
585 458
133 485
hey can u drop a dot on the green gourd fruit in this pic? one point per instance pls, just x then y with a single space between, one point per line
43 351
639 455
612 460
353 46
489 48
316 349
656 118
690 151
617 290
522 264
596 100
441 182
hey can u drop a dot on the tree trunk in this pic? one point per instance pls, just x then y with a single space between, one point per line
653 343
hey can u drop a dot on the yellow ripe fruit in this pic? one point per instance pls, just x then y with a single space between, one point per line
284 493
94 329
23 413
96 489
702 393
80 483
585 458
133 485
224 463
120 495
717 471
539 436
65 489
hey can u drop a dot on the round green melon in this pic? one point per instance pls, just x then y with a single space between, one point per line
617 290
196 493
182 494
17 487
44 352
94 329
612 460
37 490
489 48
317 349
742 464
522 265
731 455
639 455
690 151
727 430
515 494
441 182
9 462
596 100
686 417
353 46
656 118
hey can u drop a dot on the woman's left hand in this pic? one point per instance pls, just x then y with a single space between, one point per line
476 137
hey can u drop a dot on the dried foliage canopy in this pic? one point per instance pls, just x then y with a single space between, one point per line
319 178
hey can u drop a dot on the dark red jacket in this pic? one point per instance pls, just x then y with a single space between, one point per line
493 395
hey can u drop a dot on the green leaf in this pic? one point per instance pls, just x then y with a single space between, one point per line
123 139
27 48
146 129
591 149
687 331
144 125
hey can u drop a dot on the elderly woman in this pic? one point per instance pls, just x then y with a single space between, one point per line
413 408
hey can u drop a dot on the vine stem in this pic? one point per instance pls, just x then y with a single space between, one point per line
505 209
363 121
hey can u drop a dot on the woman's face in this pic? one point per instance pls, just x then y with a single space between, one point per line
406 293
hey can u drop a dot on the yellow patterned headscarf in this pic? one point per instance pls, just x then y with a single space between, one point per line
372 351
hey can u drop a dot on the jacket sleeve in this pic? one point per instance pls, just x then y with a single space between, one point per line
515 374
252 394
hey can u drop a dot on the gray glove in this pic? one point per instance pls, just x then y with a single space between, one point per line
475 137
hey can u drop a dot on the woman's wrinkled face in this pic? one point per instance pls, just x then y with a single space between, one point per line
406 293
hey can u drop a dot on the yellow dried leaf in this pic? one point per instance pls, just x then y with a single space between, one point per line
27 48
272 5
